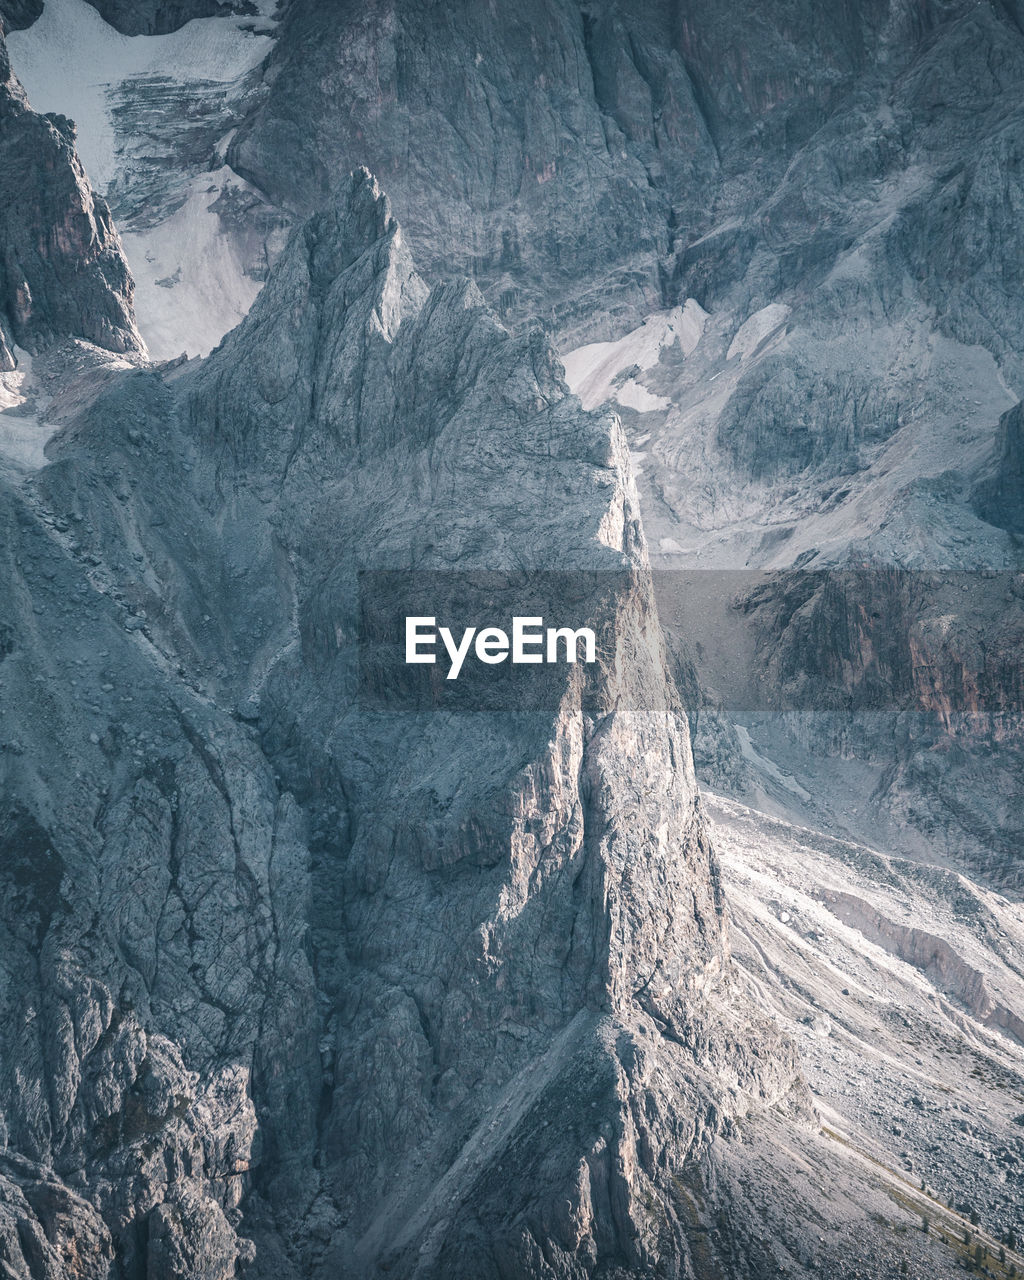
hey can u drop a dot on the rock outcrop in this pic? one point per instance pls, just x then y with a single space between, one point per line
17 14
152 879
303 981
480 1073
486 132
580 161
62 273
853 402
157 17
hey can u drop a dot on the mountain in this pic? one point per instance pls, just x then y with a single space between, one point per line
223 898
836 196
314 969
849 406
63 271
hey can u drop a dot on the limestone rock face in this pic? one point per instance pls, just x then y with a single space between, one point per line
999 496
506 951
62 273
573 158
16 14
541 154
152 923
297 979
303 984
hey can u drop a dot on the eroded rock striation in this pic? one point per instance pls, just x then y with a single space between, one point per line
520 943
301 985
583 162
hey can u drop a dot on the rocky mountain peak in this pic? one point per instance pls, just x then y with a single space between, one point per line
361 219
313 970
329 310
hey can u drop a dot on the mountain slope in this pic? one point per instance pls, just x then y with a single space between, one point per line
389 988
305 978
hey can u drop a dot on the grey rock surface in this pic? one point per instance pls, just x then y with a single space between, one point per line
62 273
852 401
297 987
433 1081
579 161
559 157
16 14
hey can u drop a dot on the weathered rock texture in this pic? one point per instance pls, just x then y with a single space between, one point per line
573 158
853 399
62 272
920 671
316 989
156 17
848 184
16 14
518 944
152 884
294 987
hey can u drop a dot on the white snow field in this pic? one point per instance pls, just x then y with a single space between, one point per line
594 371
753 331
70 61
22 440
190 283
23 435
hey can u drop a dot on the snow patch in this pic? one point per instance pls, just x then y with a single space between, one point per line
190 285
13 385
23 439
23 435
71 61
633 395
592 370
753 331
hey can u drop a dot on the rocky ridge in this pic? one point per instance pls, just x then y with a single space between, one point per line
793 187
260 998
850 404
